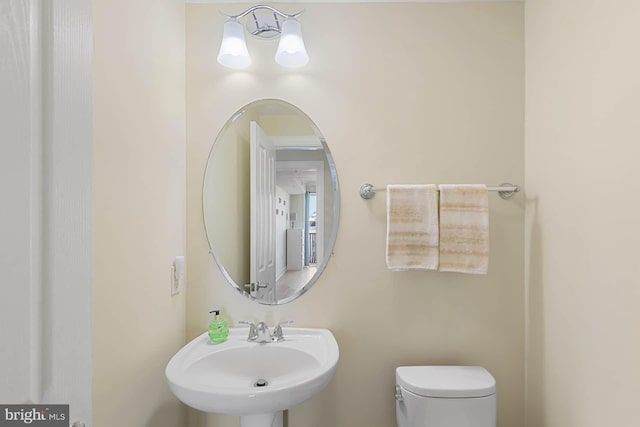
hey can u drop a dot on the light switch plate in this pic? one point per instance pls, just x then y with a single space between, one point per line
175 282
177 275
178 263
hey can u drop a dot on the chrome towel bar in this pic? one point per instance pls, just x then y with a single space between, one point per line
506 190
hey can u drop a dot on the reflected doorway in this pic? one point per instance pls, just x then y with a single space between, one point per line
301 184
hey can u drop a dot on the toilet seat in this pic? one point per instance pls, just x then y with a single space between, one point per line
446 381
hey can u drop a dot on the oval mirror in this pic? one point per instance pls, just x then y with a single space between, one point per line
271 201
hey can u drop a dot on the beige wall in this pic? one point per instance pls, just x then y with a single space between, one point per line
227 185
583 186
138 208
286 125
439 100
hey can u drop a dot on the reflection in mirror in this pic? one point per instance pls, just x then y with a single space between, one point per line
270 201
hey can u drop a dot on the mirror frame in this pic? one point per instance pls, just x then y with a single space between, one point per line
330 244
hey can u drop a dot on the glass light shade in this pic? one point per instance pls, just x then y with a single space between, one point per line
233 49
291 51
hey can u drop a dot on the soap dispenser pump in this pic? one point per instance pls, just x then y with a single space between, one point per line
218 328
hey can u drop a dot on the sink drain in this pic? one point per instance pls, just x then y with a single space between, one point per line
261 383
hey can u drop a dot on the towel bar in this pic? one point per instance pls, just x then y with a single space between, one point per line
506 190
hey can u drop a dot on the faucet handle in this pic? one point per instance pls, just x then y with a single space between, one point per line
286 322
253 331
277 331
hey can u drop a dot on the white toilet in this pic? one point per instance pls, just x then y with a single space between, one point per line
445 396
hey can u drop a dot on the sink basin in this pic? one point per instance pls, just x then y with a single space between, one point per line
244 378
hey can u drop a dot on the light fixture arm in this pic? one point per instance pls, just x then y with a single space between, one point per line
259 7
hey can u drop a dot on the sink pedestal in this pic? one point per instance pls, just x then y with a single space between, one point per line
262 420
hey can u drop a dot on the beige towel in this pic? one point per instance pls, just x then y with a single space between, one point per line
412 227
464 228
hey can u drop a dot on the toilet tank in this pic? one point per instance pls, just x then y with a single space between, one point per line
445 396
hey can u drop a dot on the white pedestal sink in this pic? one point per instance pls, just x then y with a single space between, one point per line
255 381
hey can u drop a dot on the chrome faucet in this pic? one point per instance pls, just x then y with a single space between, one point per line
277 331
260 332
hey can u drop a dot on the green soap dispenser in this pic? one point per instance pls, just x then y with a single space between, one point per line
218 328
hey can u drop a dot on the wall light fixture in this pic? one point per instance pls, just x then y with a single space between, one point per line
265 22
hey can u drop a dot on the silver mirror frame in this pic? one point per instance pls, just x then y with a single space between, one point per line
336 205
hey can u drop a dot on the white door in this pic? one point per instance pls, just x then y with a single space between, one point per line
45 186
263 216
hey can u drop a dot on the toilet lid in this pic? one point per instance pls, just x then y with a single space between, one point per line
446 381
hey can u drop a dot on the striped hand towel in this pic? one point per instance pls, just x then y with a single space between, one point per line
412 227
464 228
